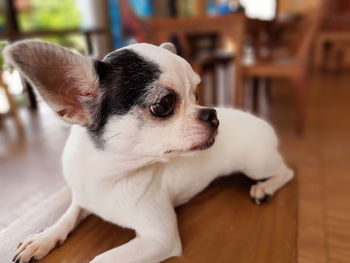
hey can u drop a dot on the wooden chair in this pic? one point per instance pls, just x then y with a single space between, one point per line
293 66
231 27
12 112
205 60
334 37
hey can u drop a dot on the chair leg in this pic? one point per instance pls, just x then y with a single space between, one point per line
240 93
13 108
200 92
255 95
299 86
268 90
212 97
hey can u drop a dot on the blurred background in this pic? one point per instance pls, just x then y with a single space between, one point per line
286 61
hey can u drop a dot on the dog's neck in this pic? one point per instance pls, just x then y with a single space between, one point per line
103 163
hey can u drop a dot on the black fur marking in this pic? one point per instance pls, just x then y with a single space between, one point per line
14 258
124 78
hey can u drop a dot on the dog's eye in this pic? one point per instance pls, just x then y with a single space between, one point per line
164 107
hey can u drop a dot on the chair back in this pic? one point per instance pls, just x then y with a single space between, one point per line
337 15
305 33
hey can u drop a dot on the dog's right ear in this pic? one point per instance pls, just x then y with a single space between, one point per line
169 46
66 81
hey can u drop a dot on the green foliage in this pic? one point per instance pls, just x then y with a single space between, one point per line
2 46
52 14
76 42
2 21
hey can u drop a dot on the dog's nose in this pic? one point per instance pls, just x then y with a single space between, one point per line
209 116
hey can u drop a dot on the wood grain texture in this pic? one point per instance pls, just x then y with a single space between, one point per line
30 167
322 160
221 225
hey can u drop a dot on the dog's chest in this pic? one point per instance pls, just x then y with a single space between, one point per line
98 196
88 190
114 199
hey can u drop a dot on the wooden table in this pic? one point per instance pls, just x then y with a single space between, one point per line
231 26
219 225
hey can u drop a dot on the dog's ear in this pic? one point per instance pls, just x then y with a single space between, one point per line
66 81
169 46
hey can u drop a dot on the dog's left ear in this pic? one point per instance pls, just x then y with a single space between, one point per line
169 46
66 81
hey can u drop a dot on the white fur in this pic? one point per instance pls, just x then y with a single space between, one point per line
143 199
133 182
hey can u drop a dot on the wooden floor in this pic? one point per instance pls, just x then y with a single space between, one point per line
321 157
30 167
220 225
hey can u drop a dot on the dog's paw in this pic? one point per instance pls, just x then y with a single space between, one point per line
36 247
260 193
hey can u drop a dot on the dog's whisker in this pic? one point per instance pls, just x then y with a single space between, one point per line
111 137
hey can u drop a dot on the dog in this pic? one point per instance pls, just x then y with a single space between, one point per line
139 144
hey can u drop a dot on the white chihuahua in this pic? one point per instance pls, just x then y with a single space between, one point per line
140 144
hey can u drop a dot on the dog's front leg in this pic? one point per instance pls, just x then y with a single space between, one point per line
157 239
141 249
39 245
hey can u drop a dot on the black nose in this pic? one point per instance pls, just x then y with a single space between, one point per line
209 115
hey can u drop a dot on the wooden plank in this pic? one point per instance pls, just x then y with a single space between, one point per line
221 225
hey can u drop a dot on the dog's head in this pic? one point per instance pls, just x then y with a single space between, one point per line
139 100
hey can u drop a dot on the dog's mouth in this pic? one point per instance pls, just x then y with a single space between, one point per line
199 147
204 145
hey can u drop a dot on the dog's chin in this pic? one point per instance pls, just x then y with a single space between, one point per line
203 146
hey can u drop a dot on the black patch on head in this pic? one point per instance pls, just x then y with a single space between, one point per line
124 78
